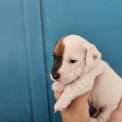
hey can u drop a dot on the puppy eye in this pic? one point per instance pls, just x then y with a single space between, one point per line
72 61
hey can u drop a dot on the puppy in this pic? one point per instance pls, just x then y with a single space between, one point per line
76 64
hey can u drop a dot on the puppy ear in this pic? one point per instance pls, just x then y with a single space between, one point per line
92 56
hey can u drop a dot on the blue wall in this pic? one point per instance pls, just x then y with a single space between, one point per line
23 94
28 32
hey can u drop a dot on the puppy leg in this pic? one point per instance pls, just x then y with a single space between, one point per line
105 115
92 110
73 90
58 87
96 113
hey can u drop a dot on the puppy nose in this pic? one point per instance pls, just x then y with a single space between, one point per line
56 76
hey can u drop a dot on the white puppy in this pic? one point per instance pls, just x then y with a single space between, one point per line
76 65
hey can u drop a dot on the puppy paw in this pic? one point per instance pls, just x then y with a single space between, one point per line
61 105
58 87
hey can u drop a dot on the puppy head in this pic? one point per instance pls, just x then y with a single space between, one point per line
73 57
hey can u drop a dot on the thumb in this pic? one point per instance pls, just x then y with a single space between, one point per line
96 80
117 115
86 95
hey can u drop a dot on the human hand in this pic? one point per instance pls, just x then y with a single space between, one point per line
117 115
78 110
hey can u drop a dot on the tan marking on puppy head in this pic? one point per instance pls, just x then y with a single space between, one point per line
59 49
95 57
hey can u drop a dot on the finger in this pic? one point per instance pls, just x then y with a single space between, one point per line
57 95
96 80
117 115
119 109
86 95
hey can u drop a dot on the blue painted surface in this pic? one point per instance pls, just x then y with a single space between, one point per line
23 95
28 32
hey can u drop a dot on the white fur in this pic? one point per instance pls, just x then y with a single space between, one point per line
78 78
